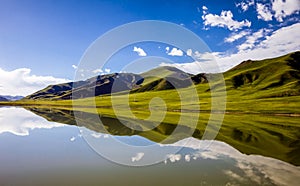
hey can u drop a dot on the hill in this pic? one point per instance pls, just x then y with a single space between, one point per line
95 86
3 99
275 77
12 98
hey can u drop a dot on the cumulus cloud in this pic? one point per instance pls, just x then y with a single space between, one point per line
263 12
175 52
167 49
204 9
97 71
107 70
189 52
74 66
224 20
259 45
244 5
285 8
22 82
24 122
137 157
236 36
139 51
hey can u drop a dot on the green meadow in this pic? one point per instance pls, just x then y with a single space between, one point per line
261 101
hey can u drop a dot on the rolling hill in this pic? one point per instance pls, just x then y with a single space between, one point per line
95 86
261 116
3 99
12 98
275 77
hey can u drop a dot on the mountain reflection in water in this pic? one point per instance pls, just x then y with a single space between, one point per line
35 151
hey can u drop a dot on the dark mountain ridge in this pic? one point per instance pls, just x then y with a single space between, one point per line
277 73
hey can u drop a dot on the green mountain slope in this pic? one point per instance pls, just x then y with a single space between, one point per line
275 77
262 106
267 78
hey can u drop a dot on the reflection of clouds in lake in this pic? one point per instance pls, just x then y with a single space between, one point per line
99 135
19 121
73 139
173 157
276 171
243 169
138 157
235 176
258 169
96 135
187 158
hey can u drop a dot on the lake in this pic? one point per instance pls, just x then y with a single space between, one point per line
40 147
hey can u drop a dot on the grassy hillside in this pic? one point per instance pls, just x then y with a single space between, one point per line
262 106
270 78
276 77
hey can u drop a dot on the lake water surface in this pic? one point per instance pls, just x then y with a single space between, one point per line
35 151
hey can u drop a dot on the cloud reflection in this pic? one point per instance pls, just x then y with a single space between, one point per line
255 168
138 157
19 121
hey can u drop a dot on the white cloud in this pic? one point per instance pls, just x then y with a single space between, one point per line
245 5
74 66
189 52
175 52
206 56
22 82
137 157
167 49
107 70
204 9
96 71
236 36
224 20
263 12
140 51
285 8
253 39
24 122
256 47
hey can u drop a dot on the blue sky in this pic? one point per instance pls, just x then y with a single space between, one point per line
42 42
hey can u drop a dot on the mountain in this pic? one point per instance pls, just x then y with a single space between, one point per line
12 98
95 86
3 99
275 77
